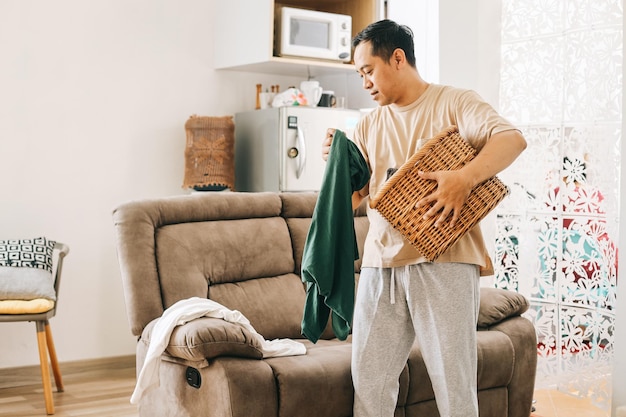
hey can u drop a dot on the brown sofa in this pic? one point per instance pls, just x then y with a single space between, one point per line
243 251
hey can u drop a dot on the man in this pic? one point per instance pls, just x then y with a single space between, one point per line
402 298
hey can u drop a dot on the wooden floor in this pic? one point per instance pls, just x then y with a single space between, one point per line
92 388
103 387
550 403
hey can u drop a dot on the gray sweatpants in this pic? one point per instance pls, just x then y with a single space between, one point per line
433 304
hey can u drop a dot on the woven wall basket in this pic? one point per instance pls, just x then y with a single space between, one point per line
396 200
210 153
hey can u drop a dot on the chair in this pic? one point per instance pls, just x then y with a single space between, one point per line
44 334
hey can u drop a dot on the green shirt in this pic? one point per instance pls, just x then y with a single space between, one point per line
330 248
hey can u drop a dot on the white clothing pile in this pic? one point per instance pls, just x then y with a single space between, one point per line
190 309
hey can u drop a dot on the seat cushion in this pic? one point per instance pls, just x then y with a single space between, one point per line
36 306
316 384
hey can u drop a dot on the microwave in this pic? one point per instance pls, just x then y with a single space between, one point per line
312 34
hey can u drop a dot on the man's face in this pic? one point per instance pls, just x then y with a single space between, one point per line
378 75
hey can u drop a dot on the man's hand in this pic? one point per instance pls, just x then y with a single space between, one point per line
453 187
452 191
328 140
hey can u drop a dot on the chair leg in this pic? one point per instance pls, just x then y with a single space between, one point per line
45 371
53 358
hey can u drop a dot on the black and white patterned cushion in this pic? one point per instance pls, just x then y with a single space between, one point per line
26 269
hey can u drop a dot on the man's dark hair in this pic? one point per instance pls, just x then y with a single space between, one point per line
386 36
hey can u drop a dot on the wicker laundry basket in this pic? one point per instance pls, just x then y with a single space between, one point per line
397 198
210 153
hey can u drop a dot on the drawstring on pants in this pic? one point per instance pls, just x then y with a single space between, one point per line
392 284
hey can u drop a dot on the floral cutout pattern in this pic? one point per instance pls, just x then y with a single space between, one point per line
556 233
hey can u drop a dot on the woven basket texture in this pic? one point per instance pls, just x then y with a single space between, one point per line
396 200
210 152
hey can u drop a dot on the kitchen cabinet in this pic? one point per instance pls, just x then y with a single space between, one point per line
244 35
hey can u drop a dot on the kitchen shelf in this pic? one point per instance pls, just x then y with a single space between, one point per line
295 67
244 36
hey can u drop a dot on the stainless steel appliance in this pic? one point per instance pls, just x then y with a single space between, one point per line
279 149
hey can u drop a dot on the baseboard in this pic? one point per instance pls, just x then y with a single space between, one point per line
31 374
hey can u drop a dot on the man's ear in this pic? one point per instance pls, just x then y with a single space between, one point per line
398 57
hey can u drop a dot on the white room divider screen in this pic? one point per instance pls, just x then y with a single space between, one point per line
556 239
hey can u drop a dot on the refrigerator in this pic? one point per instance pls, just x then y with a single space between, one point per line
280 149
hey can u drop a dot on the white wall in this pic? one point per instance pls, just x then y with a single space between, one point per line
469 57
93 100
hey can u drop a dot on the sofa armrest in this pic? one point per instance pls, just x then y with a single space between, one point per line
497 304
207 338
522 335
500 311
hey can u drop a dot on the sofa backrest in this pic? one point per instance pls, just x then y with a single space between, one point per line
298 211
242 250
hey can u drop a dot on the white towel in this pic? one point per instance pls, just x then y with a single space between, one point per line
187 310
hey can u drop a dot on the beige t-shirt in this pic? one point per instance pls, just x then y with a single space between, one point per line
389 135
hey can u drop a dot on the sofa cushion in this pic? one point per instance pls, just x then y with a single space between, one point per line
274 305
316 384
298 204
207 338
193 256
298 230
497 304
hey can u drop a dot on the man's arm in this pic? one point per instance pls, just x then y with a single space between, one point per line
358 196
453 187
